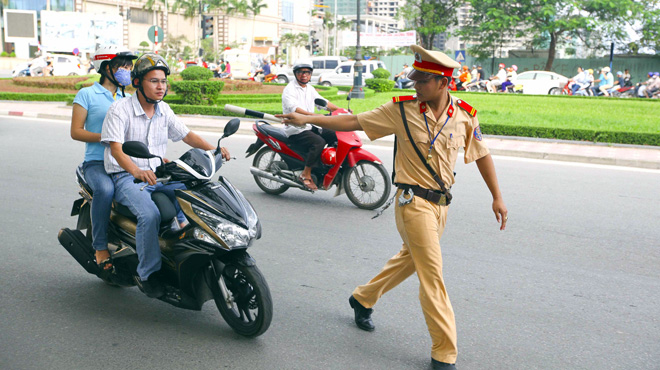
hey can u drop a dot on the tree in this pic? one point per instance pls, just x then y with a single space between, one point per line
429 18
255 7
547 23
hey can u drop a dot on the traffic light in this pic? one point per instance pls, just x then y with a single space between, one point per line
314 42
207 26
315 46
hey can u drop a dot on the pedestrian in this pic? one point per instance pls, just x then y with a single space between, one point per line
437 124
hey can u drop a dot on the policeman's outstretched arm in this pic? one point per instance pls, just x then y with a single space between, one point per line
487 170
336 123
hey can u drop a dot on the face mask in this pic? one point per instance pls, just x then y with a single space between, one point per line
123 77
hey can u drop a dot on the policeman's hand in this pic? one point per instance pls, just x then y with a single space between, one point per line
501 213
146 176
295 119
225 153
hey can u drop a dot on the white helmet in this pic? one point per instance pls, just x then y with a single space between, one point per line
302 63
109 52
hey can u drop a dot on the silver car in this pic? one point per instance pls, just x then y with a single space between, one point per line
344 74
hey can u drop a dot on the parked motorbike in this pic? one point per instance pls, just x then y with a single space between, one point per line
205 260
277 165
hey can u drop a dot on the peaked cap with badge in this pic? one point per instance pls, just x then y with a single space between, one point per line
429 63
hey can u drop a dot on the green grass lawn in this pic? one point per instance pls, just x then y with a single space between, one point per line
616 120
563 112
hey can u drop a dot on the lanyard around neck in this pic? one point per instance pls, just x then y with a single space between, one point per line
428 130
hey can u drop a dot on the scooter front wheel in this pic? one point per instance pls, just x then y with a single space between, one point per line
367 185
248 306
267 160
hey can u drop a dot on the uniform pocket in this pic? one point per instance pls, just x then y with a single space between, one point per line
456 142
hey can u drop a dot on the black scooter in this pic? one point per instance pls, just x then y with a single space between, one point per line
205 260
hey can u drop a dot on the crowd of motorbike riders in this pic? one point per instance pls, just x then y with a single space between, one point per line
586 82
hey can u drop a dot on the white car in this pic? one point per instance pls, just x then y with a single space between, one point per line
343 75
63 65
541 82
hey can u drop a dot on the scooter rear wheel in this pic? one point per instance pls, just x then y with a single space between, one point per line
267 160
248 308
367 185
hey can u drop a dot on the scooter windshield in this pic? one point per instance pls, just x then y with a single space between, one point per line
200 162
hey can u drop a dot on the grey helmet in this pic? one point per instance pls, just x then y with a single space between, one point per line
146 63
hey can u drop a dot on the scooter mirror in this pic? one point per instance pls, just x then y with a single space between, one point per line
231 127
320 102
137 149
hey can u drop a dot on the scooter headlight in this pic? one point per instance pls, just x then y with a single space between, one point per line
233 235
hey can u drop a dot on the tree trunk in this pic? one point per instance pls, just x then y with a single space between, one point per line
552 50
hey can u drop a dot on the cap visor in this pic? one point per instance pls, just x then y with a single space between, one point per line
416 75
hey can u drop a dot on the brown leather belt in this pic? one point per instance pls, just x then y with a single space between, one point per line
433 196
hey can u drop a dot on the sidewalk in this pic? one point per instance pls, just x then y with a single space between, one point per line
558 150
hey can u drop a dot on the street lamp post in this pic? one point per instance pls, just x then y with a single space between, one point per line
357 92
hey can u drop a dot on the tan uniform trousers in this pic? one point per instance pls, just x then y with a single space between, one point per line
420 224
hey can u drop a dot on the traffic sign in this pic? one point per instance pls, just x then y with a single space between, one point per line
460 56
152 34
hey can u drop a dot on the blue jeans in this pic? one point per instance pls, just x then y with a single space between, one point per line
400 82
104 191
148 217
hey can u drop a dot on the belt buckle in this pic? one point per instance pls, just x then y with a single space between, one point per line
402 198
443 200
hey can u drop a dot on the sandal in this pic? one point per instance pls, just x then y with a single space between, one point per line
308 183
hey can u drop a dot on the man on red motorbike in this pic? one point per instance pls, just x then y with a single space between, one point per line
298 97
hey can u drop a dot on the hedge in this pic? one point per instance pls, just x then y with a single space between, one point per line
368 93
620 137
196 73
380 84
35 96
198 92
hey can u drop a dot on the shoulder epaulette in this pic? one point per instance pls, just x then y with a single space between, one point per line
467 107
398 99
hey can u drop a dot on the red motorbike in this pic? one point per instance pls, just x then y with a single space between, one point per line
277 165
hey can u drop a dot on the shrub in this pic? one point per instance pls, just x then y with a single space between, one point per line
380 84
4 54
198 92
12 55
196 73
381 73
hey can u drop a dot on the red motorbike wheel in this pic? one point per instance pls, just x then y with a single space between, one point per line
367 185
267 160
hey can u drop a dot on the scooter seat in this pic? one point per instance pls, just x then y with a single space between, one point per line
276 132
164 204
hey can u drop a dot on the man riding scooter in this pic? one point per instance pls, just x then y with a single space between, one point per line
299 97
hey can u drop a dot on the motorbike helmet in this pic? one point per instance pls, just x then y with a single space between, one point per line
300 64
104 55
514 67
145 64
329 156
501 65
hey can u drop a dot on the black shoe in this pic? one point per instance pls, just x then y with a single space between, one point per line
152 287
362 315
437 365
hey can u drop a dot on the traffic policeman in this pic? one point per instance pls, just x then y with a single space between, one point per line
429 128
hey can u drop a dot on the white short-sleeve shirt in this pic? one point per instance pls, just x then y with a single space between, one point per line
296 96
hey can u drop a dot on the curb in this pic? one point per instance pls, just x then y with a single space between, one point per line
246 129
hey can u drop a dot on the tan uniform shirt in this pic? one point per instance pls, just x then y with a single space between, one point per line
461 130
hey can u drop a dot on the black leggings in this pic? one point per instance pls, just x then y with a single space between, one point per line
314 141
